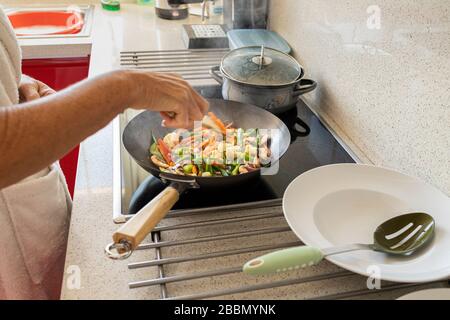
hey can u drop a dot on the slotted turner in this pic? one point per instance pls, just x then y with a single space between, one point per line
402 235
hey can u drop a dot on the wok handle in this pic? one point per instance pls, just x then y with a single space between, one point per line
304 86
215 74
130 235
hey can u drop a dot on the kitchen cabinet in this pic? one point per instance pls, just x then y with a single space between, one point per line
59 73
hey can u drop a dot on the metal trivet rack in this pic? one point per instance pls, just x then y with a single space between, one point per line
192 64
198 254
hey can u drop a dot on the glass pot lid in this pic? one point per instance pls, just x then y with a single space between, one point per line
261 66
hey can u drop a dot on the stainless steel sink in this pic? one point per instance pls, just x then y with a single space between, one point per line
86 11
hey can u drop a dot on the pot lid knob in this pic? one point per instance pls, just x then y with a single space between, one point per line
261 66
261 60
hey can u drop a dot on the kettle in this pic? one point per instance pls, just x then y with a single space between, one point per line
245 14
175 9
171 10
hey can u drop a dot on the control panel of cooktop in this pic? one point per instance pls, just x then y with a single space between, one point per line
201 36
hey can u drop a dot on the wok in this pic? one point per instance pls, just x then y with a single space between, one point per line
137 137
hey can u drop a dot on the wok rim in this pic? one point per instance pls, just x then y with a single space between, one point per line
154 170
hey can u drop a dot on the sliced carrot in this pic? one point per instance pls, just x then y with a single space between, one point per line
165 152
218 122
195 170
205 143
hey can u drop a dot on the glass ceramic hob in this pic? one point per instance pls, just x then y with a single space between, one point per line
312 145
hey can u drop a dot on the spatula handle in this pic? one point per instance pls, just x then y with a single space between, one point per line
284 260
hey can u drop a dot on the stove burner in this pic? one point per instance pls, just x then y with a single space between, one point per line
202 198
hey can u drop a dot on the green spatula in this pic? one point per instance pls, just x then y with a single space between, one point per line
402 235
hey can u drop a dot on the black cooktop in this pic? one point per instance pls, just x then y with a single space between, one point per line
312 145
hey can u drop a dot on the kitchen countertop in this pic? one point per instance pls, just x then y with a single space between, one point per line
89 274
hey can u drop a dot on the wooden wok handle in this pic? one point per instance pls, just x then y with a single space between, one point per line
143 222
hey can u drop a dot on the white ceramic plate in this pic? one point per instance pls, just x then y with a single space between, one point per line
343 204
430 294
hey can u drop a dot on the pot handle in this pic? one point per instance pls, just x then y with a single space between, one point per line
304 86
216 74
130 235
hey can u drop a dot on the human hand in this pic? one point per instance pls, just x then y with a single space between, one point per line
31 89
179 104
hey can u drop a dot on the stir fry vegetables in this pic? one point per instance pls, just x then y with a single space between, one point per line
214 149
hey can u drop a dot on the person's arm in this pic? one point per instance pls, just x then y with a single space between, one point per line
35 134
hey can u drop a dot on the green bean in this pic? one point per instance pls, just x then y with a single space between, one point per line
154 150
224 172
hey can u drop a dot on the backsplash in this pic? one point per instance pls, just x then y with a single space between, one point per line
383 73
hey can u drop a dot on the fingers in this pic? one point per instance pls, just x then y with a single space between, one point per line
45 90
170 93
180 120
202 103
195 108
189 102
199 105
29 92
31 89
196 114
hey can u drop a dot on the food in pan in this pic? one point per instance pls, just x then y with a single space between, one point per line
212 149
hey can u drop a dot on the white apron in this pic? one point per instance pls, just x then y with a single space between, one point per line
34 213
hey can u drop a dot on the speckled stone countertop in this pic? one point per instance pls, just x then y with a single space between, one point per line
89 274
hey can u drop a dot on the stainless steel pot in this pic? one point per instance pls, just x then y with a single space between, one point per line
261 76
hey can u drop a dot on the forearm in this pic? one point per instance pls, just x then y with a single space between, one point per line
35 134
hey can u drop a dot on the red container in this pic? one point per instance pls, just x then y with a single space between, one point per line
59 74
40 22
